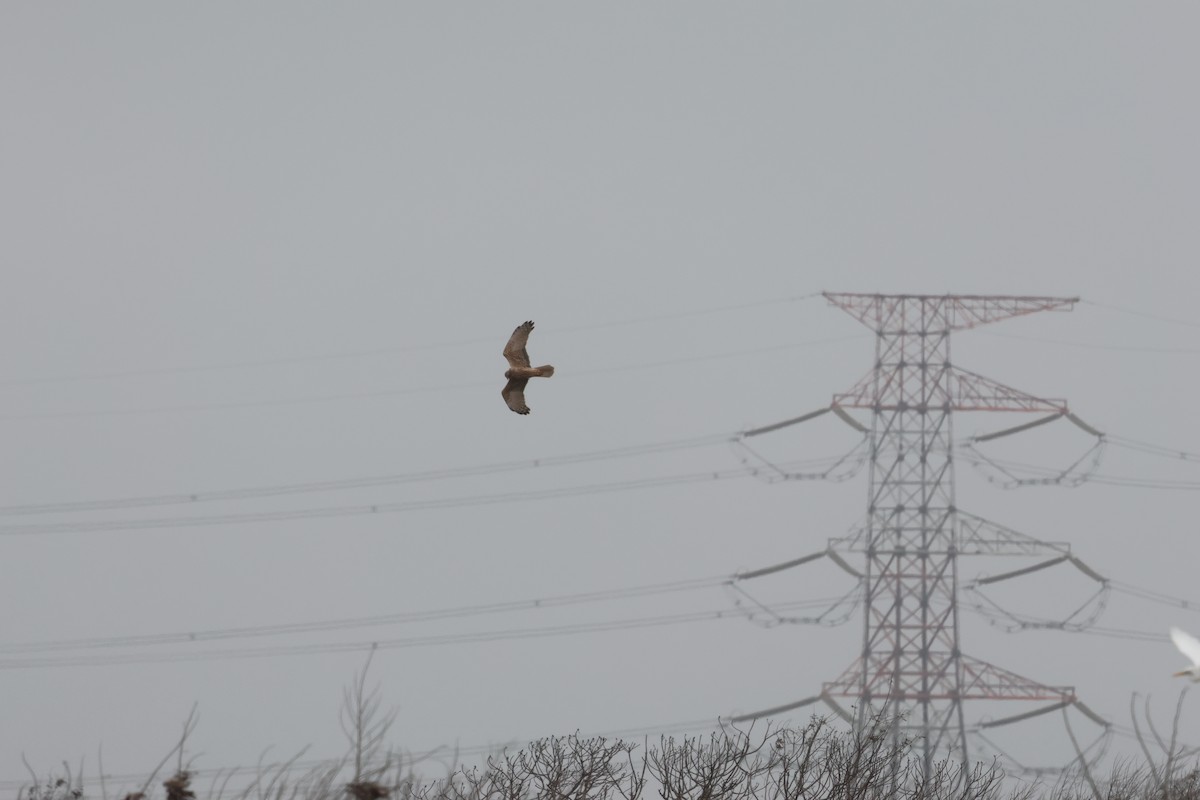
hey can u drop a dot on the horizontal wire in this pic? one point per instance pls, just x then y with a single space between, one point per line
1144 483
348 354
1122 633
255 631
531 604
460 501
376 508
340 484
1144 314
1036 623
1127 732
253 492
1138 445
1096 478
326 512
433 640
1094 345
332 398
186 498
1148 448
1154 597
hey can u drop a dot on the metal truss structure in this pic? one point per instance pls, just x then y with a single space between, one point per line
911 668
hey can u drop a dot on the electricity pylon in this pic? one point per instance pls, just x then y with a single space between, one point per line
911 669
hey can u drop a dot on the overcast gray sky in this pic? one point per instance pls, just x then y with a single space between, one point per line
280 243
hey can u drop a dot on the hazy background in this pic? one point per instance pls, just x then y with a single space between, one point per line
200 203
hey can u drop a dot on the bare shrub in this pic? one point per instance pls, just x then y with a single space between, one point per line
814 761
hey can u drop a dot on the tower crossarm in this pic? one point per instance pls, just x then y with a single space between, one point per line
948 389
902 313
984 681
974 392
980 681
978 536
974 536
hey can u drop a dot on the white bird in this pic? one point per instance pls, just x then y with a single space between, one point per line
1190 646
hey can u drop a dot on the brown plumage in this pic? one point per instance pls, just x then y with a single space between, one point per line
179 787
367 790
519 371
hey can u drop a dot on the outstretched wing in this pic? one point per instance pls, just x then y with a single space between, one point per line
514 394
514 351
1188 645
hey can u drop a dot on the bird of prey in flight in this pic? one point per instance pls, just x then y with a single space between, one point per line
519 372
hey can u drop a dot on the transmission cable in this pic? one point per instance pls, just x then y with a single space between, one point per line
1071 476
1148 448
327 512
1055 477
332 398
1095 346
1152 596
847 603
433 640
1145 314
852 457
458 612
379 351
846 467
1095 630
734 581
245 493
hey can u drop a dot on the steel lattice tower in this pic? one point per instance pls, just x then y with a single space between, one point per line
911 663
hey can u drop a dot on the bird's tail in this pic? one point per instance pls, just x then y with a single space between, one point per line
545 371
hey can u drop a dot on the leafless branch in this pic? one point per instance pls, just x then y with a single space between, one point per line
1084 769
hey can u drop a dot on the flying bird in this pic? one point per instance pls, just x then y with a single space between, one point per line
519 371
1190 646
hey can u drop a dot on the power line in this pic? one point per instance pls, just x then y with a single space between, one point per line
458 612
327 512
844 468
1129 634
1072 476
433 640
459 501
86 526
1145 314
1055 476
1012 622
1151 596
732 581
380 351
1144 483
451 473
252 492
1148 448
1095 346
333 398
1115 440
770 470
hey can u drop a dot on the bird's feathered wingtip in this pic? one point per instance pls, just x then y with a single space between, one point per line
1188 645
